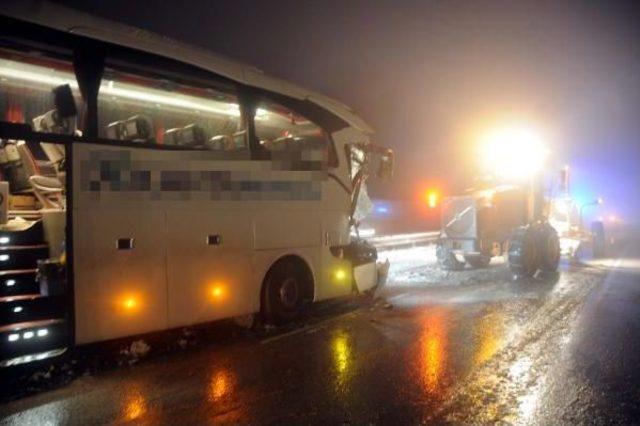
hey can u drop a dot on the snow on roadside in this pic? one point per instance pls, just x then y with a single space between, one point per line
138 349
418 266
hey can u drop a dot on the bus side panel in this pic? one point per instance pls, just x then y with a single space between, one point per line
209 265
119 292
335 274
120 250
283 228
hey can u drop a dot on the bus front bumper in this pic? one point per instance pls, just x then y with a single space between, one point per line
365 276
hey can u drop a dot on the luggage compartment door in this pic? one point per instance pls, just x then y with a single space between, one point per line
209 265
120 274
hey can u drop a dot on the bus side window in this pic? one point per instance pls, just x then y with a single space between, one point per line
281 130
27 84
26 90
158 112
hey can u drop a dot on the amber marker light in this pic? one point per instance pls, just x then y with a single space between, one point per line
217 292
432 198
129 303
340 275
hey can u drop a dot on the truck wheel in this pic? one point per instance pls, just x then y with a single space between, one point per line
447 260
523 252
283 292
478 262
599 242
548 248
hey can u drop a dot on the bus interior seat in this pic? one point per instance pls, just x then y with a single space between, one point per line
282 143
56 155
137 128
221 143
240 139
266 144
48 190
12 168
190 136
51 122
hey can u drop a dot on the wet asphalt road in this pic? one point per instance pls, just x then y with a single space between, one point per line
469 347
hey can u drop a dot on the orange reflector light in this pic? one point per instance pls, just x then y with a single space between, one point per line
129 303
217 292
432 199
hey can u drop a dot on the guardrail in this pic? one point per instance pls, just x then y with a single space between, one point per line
403 240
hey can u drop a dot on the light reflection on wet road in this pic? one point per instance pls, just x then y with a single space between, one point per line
478 348
134 404
432 343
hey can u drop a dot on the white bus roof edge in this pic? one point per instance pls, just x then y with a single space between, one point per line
69 20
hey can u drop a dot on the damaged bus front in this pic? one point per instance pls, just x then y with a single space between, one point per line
149 185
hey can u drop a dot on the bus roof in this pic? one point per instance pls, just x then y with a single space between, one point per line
69 20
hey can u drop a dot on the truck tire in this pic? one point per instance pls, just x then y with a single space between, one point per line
548 248
447 260
478 262
599 242
523 253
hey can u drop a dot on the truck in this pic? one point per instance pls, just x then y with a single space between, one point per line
501 220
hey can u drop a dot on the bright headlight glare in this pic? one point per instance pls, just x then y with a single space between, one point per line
513 152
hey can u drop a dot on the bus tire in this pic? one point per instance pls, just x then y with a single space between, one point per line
285 290
523 252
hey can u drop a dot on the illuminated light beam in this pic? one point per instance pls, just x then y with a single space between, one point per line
34 74
513 152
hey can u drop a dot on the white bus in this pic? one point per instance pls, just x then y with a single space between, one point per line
150 185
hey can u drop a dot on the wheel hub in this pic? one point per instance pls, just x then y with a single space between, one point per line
288 292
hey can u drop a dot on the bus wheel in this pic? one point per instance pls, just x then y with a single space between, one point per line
284 291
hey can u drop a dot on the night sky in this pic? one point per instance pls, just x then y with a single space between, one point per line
431 76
